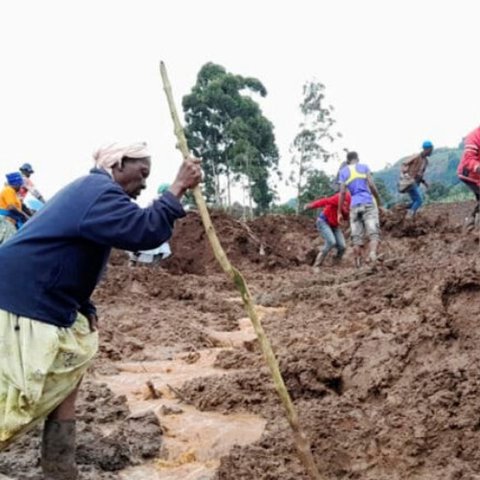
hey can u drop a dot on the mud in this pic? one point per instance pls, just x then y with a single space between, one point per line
383 364
267 243
109 438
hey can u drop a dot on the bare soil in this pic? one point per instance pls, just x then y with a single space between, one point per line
383 363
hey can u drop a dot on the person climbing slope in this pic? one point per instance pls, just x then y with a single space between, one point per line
329 227
364 219
412 173
468 171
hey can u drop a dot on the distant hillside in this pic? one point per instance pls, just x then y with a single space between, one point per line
442 169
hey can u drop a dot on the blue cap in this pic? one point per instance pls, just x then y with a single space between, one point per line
427 144
27 167
162 188
14 179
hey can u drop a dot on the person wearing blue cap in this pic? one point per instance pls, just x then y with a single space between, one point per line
11 213
412 174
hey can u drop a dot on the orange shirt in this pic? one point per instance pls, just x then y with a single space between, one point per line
8 196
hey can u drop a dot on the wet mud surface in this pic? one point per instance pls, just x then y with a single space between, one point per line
383 364
109 438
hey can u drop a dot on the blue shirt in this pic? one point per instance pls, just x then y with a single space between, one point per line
51 266
355 178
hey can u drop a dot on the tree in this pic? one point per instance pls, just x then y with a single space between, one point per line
317 184
315 132
385 195
225 126
283 209
437 191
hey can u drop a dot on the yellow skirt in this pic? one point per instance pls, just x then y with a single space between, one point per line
7 229
40 365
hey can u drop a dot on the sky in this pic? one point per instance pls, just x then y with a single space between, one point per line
79 74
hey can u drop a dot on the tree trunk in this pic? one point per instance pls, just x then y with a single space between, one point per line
249 180
250 205
299 183
216 183
229 197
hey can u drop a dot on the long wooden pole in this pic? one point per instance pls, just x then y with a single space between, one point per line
299 437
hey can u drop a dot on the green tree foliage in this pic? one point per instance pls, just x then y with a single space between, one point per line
283 209
225 126
315 133
385 196
317 185
437 191
458 193
188 200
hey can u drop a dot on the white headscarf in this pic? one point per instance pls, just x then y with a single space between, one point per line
110 155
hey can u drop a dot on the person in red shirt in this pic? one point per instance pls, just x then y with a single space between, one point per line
328 226
469 169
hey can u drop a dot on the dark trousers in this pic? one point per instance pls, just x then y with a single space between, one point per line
475 188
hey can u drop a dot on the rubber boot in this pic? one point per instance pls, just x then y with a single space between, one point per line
358 255
338 257
58 450
472 220
372 256
319 261
469 224
358 262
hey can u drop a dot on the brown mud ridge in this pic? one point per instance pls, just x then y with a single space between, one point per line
383 364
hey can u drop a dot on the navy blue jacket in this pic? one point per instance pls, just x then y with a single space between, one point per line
49 269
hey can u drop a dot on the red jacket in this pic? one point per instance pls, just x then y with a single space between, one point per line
330 207
470 158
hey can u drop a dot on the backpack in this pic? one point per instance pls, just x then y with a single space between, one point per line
405 182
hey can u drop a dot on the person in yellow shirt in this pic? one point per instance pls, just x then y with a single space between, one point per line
11 215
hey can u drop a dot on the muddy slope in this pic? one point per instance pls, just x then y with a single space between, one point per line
109 439
383 365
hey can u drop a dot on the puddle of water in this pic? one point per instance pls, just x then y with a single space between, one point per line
194 440
235 338
246 332
209 435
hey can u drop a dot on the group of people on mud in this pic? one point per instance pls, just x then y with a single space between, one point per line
358 200
19 199
50 267
48 323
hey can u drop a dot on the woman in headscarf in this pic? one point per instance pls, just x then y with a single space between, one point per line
47 322
11 213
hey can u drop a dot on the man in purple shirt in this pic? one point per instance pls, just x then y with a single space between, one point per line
356 177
